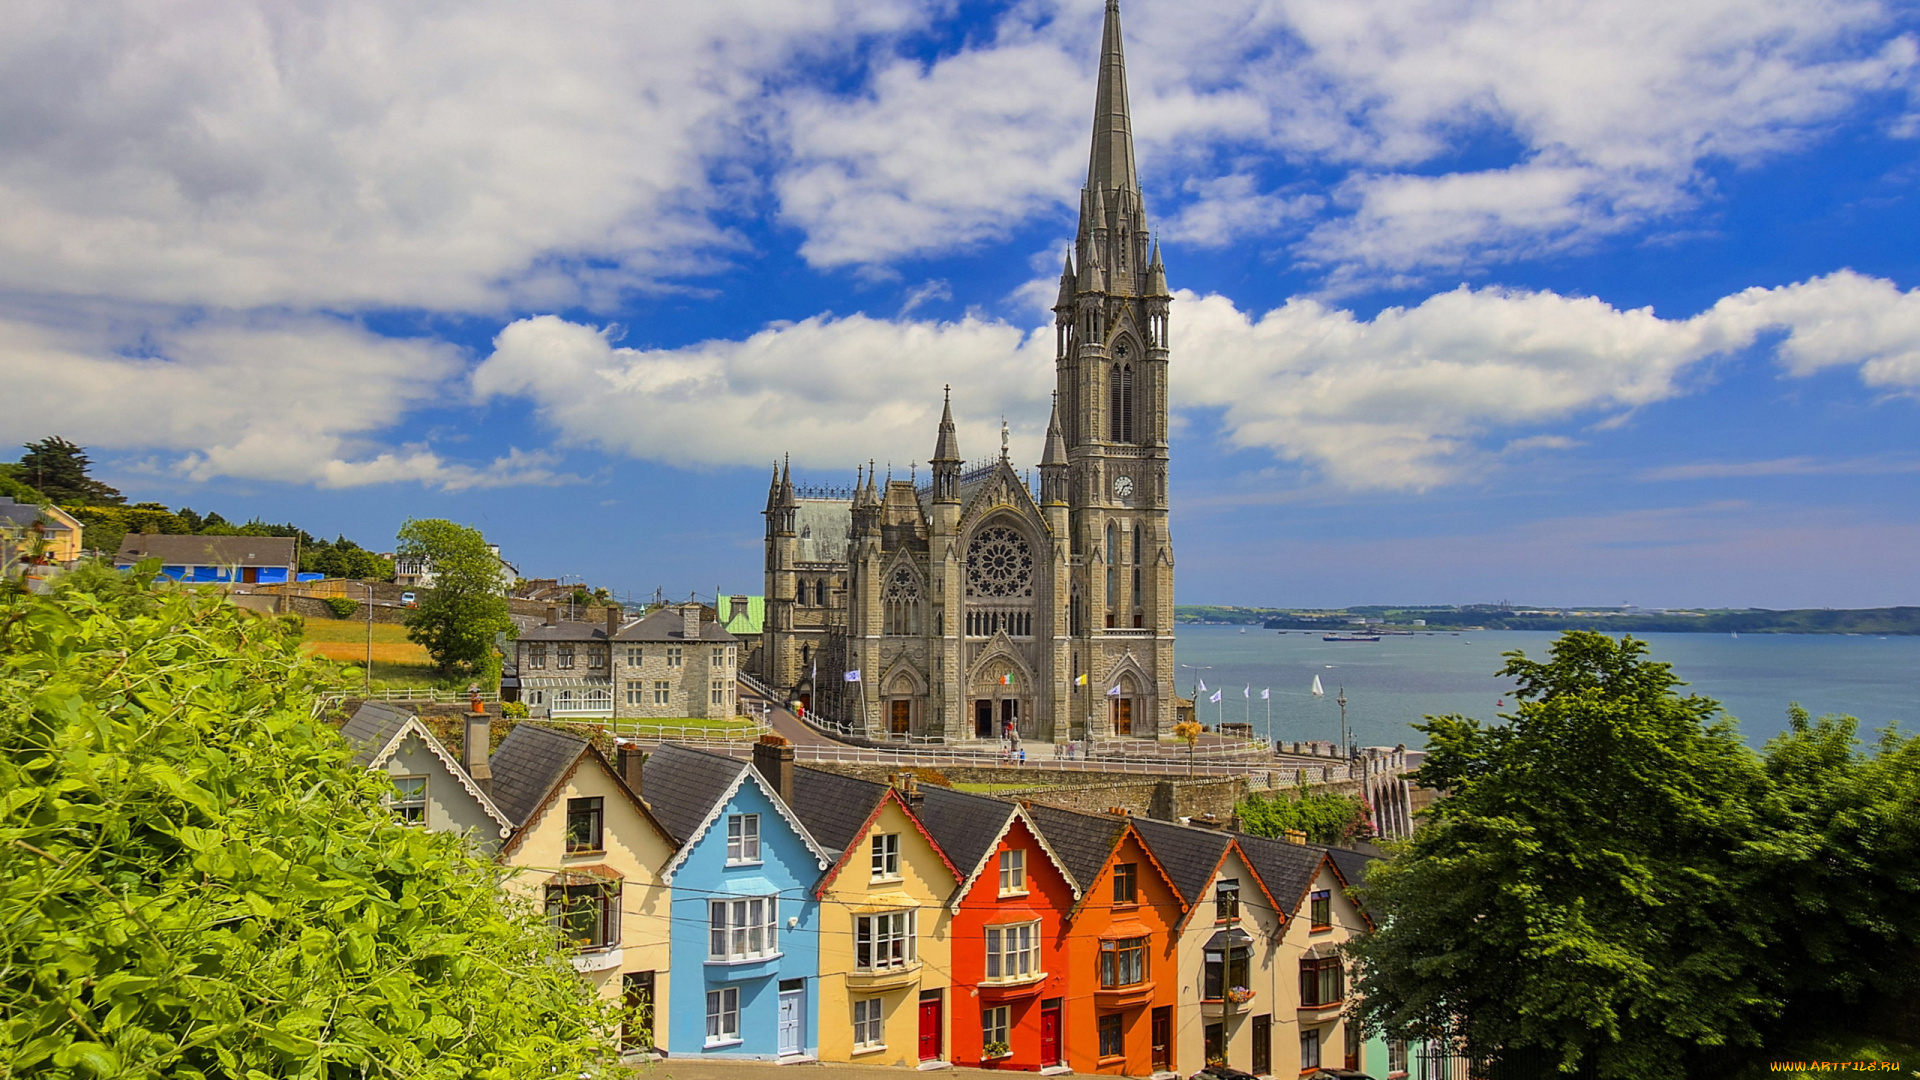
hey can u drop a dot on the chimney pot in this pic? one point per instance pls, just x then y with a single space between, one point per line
476 749
1296 836
628 760
690 622
614 613
773 756
553 614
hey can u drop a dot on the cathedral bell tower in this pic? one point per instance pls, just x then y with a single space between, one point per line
1111 373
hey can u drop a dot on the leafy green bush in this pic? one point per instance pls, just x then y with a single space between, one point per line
514 710
342 606
195 881
1326 817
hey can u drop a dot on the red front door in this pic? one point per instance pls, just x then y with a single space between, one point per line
1050 1032
930 1027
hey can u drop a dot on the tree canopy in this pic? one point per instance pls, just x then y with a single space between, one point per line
1327 817
457 619
58 469
195 881
1614 879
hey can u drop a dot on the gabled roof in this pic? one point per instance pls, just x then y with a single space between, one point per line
532 765
1189 855
749 621
839 809
982 495
377 730
23 515
690 788
969 827
206 550
1351 864
1287 870
663 625
1083 833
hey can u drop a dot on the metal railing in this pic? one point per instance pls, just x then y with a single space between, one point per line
426 693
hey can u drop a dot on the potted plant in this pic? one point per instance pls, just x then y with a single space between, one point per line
995 1050
1239 995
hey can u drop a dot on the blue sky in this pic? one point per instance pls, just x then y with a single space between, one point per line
1557 303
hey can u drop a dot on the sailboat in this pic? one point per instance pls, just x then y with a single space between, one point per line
1318 690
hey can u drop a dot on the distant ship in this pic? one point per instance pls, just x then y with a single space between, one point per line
1351 637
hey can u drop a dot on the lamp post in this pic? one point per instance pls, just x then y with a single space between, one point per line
367 686
1345 750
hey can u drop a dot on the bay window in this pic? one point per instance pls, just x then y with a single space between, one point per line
1013 952
743 929
885 941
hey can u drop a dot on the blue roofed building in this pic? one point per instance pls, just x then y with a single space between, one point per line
745 922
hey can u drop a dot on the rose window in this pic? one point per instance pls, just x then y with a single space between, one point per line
999 564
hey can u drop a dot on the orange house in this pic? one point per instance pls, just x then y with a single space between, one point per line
1123 963
1011 966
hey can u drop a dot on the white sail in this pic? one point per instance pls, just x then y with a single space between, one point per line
1318 690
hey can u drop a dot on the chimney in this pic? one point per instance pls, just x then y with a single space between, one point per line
736 607
628 759
614 618
773 756
1296 836
690 622
476 747
909 786
553 614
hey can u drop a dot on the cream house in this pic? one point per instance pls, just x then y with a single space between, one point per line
1308 978
431 788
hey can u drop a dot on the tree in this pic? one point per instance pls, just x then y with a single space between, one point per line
1327 817
459 618
1189 731
195 880
1593 884
58 468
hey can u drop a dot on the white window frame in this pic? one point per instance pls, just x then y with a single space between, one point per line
1013 872
885 849
723 1016
662 692
536 698
409 803
888 938
743 929
743 839
1013 952
596 657
869 1025
996 1025
563 657
537 655
636 693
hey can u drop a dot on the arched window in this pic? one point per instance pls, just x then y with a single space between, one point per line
1126 403
820 593
1136 573
1113 580
1113 404
901 602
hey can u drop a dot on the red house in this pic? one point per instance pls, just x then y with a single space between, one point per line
1009 954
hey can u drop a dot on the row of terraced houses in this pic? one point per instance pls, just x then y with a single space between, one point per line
757 909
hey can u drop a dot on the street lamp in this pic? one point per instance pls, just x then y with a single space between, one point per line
1345 750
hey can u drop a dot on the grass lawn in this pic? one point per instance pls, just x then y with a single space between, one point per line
353 631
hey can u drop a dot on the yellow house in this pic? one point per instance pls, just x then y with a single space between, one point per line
885 953
588 851
46 534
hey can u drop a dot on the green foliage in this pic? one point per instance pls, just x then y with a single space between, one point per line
196 882
1327 817
459 618
514 710
59 468
1615 878
342 558
342 606
12 487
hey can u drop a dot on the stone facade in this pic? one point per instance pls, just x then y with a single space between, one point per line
676 662
974 603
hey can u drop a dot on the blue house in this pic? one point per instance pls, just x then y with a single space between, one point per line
746 926
219 560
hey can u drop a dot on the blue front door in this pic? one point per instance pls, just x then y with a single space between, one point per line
793 1022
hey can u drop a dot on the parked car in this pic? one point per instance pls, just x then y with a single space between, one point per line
1222 1072
408 599
1338 1074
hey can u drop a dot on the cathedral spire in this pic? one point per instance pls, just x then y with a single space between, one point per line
1111 167
947 446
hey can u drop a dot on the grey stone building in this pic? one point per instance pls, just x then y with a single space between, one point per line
974 601
678 661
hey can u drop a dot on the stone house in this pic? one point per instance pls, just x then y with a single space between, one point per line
677 662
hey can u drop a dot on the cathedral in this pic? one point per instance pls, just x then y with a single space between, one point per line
953 610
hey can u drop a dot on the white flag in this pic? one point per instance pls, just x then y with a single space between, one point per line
1248 692
1215 698
853 676
1202 688
1115 692
1267 694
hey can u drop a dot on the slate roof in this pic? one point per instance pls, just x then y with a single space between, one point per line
530 761
1189 855
834 807
22 515
1353 864
1084 842
663 625
371 727
206 550
820 528
965 826
682 786
1287 869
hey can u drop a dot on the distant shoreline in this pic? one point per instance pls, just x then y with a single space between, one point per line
1859 621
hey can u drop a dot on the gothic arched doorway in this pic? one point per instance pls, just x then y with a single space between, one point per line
1002 699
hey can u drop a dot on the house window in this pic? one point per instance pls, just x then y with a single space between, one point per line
1226 901
674 654
1113 1040
536 656
883 942
586 822
719 693
1322 982
993 1030
587 916
1013 873
1320 908
1125 882
536 697
867 1028
1013 952
742 929
409 799
564 656
743 839
636 693
634 652
596 657
1225 969
1396 1056
662 692
1309 1050
1123 962
723 1016
886 856
730 649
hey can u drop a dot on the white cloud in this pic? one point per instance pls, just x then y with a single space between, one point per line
290 398
832 391
1411 398
241 153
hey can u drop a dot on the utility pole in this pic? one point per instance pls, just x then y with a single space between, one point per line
1345 750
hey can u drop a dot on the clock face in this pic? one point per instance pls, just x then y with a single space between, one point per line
1122 487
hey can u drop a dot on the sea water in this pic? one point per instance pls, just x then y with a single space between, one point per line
1391 684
